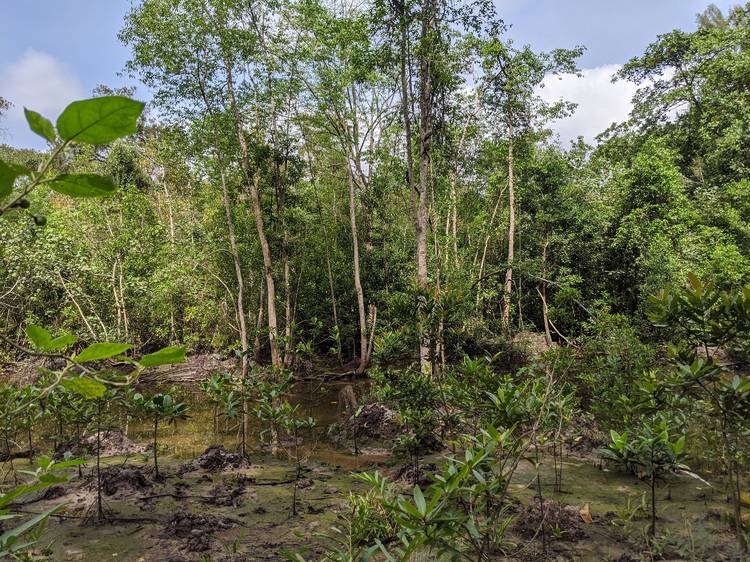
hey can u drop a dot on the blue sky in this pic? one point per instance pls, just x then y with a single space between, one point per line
54 51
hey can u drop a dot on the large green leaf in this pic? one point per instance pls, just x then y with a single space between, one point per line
86 387
102 350
37 335
165 356
40 125
8 175
61 342
12 535
83 185
42 339
99 120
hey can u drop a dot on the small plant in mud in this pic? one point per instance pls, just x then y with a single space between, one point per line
418 400
14 541
270 409
465 513
214 388
651 454
703 321
293 426
160 408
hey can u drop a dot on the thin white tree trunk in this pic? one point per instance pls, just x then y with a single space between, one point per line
363 355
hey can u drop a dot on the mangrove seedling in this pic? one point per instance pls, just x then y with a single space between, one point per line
160 407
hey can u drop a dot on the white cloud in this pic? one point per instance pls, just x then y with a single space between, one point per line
600 102
40 82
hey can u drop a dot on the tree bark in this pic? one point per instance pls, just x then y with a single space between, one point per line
511 234
238 272
425 150
405 115
259 325
363 350
253 180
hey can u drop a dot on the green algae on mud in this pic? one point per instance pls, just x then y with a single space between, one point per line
189 516
243 512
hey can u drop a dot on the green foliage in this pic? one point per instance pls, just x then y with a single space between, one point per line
40 125
99 120
44 341
650 453
82 185
167 356
20 537
101 350
87 388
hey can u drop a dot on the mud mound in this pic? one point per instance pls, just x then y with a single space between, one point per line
194 369
197 529
421 475
123 479
215 459
114 443
585 437
374 421
555 519
226 494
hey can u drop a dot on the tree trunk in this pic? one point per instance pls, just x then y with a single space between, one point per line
253 180
405 115
156 455
485 247
511 234
363 355
259 325
425 150
238 272
288 351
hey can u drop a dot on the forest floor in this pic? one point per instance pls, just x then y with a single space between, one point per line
212 505
219 508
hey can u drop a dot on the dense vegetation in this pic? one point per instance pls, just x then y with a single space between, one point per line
375 190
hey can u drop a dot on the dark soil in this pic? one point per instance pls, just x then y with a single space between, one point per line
555 519
113 443
123 479
228 494
374 421
196 529
420 476
216 459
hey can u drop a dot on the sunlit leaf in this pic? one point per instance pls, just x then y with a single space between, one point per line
102 350
83 185
8 175
99 120
38 336
85 387
165 356
40 125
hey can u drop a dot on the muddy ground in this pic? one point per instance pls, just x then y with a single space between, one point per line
213 505
220 507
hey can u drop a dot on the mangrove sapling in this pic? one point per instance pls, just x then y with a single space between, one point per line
465 512
561 412
236 397
29 416
650 453
293 424
47 473
269 407
160 408
702 318
9 400
213 387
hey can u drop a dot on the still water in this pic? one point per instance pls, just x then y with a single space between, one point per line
318 400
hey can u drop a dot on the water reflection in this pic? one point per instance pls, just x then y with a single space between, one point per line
319 400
